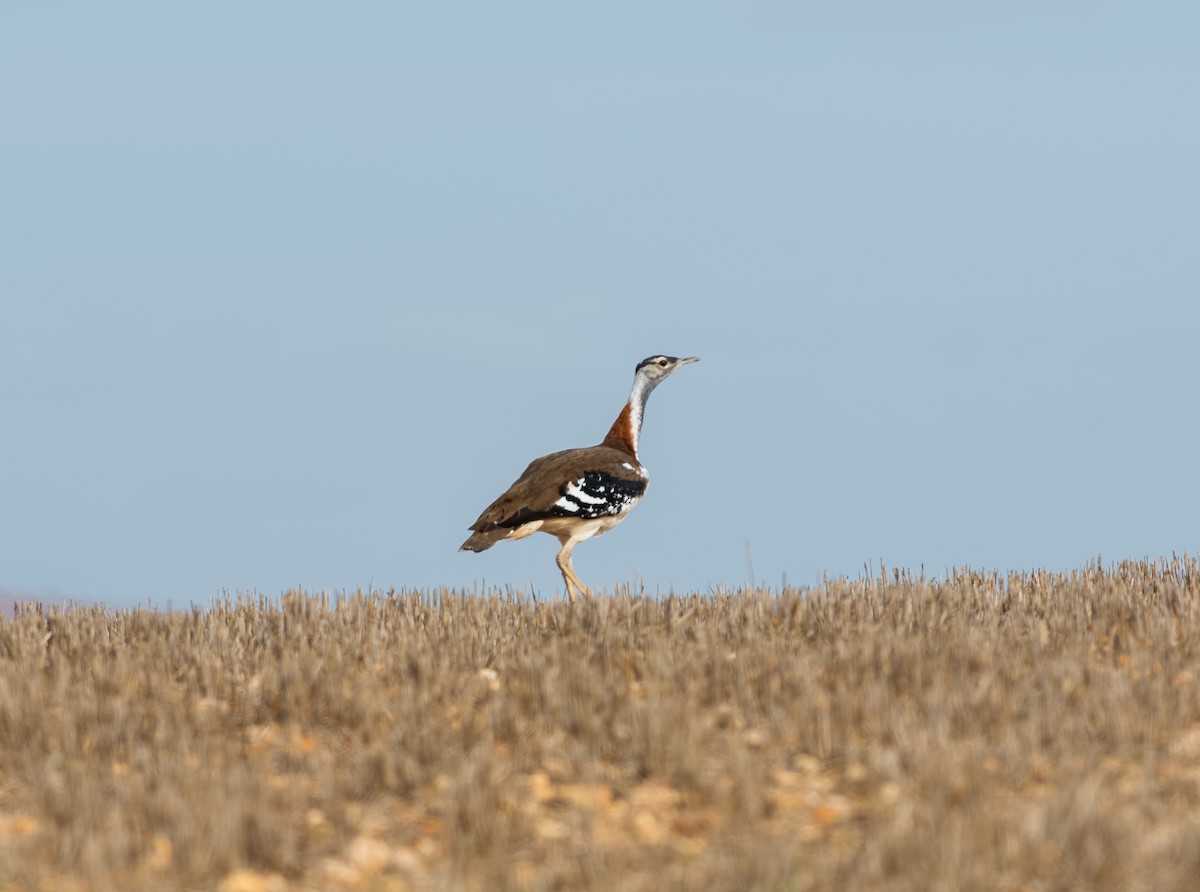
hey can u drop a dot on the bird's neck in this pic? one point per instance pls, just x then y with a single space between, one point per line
624 431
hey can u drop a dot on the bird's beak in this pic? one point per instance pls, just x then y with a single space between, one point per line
686 361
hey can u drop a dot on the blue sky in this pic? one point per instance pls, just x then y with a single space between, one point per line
291 291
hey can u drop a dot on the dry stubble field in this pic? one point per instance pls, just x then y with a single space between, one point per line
1029 731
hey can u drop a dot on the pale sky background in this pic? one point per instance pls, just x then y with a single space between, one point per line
290 291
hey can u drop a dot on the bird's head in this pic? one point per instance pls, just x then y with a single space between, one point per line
655 368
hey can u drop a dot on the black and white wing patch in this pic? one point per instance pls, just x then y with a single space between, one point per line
597 494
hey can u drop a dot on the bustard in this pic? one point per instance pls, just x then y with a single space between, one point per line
578 493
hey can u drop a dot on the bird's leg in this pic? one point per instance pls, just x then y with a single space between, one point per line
568 572
567 579
583 589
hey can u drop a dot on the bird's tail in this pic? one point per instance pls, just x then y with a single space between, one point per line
483 540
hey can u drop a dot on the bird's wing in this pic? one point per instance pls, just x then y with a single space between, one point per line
594 482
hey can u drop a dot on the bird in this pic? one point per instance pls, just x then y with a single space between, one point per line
576 494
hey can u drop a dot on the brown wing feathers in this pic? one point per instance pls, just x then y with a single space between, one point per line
556 485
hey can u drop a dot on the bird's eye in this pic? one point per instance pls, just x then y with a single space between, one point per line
663 363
